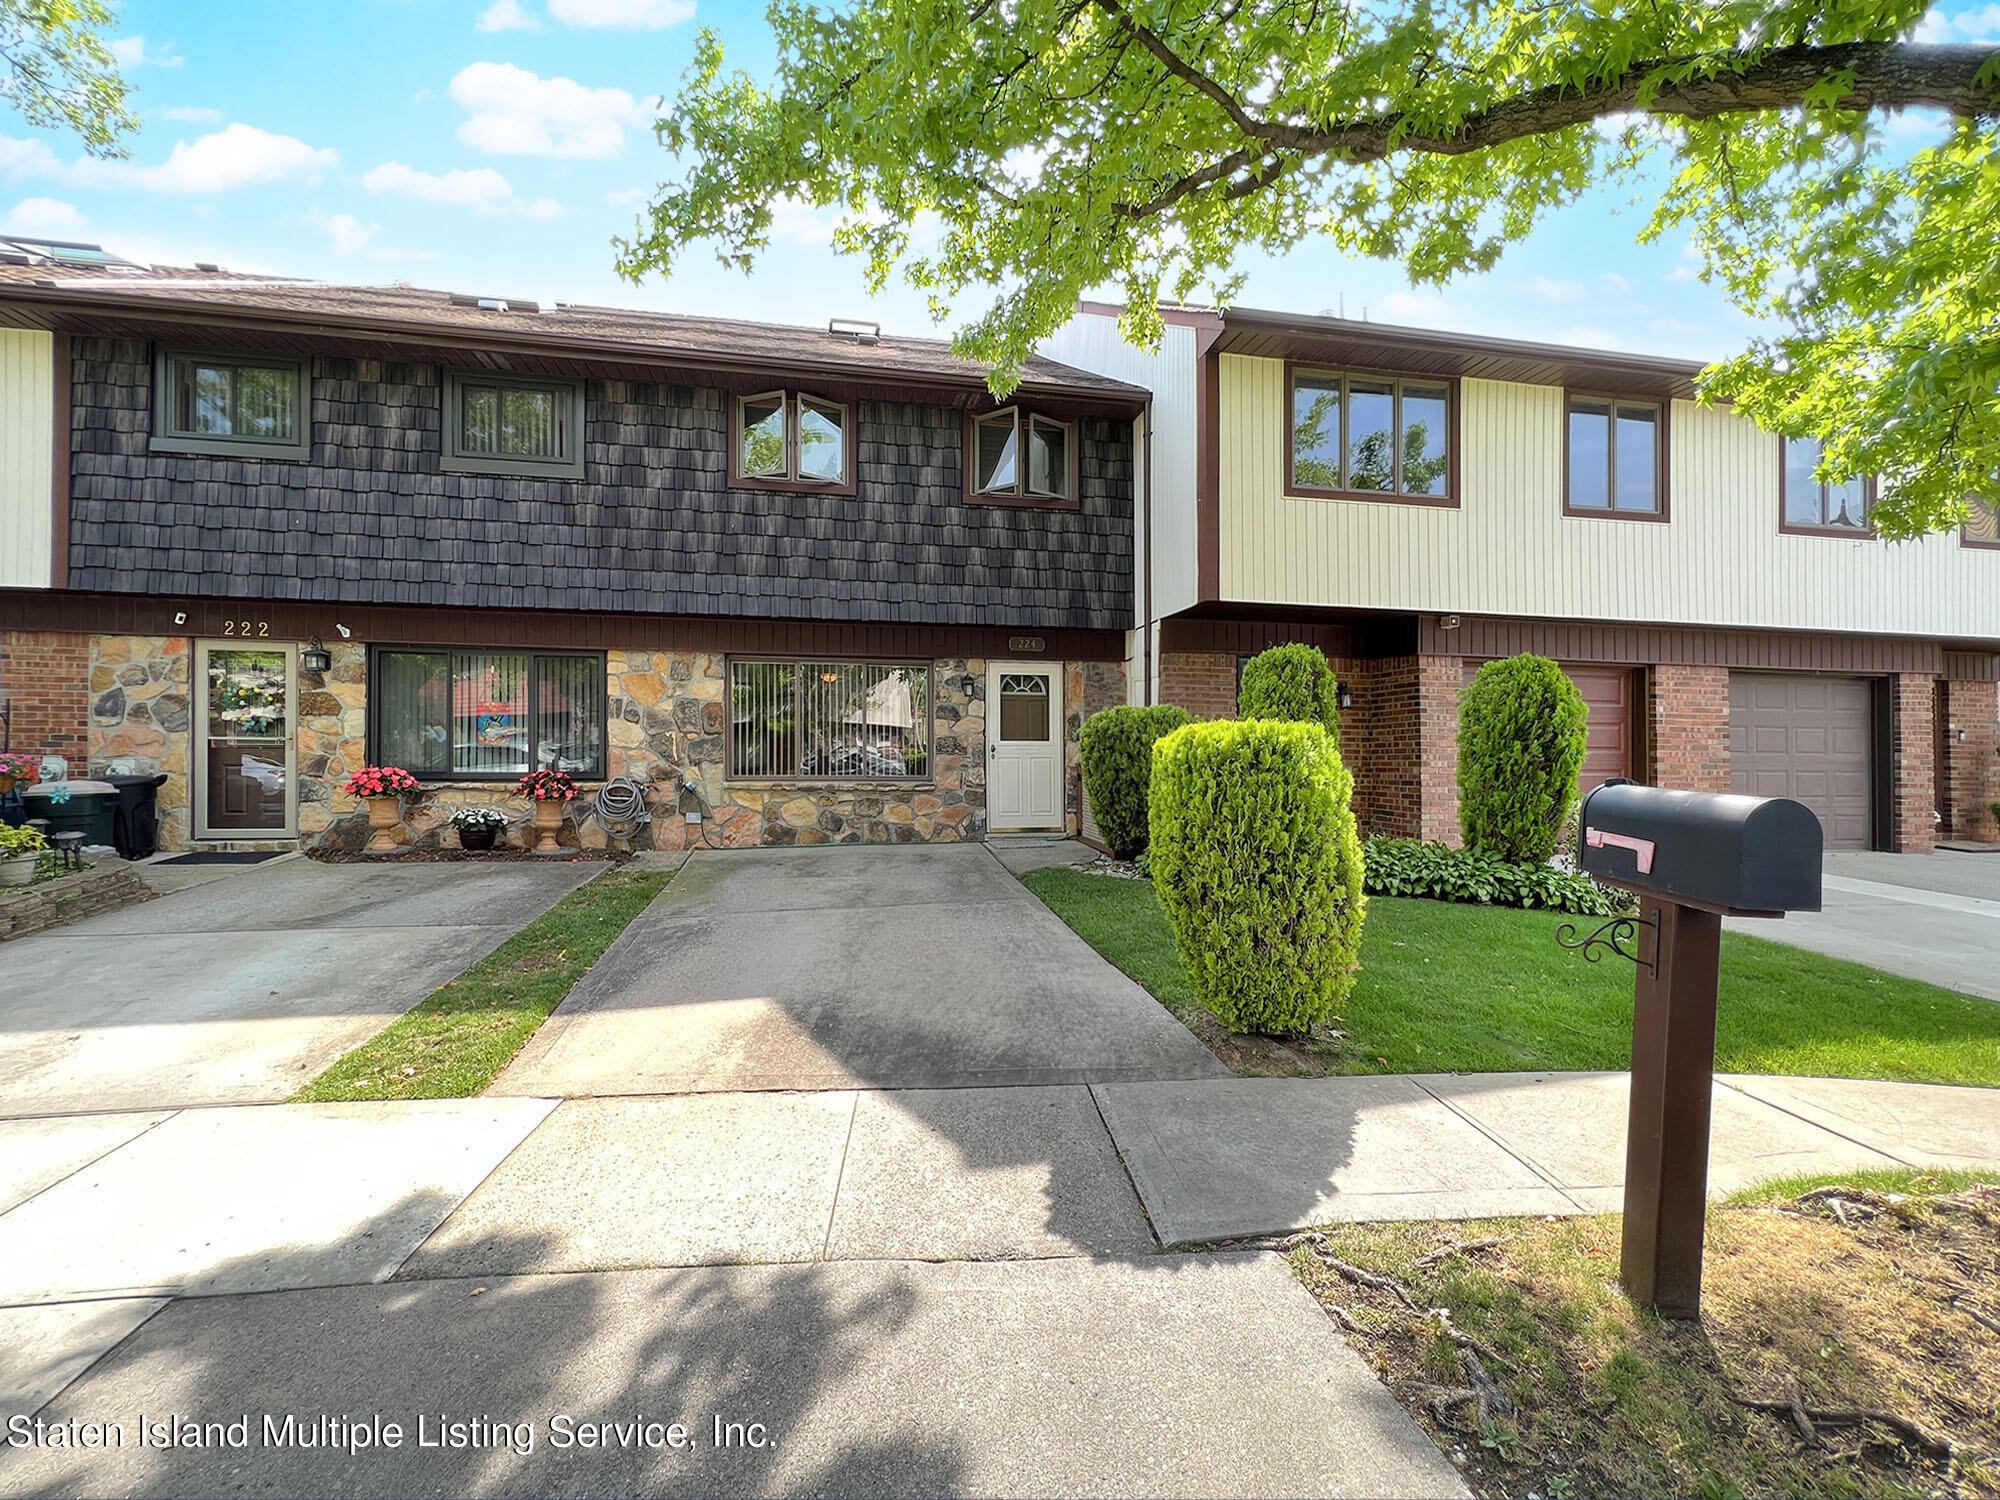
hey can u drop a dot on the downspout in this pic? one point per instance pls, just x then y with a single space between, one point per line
1146 591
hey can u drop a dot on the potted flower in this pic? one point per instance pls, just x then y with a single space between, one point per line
550 791
478 827
20 850
17 769
384 788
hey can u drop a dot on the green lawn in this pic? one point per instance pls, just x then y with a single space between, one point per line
452 1045
1476 989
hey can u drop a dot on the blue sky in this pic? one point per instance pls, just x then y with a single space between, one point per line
497 146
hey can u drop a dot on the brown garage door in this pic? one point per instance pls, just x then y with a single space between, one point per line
1807 738
1608 691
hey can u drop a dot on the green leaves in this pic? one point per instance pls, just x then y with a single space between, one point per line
1116 747
1523 729
59 72
1019 156
1409 867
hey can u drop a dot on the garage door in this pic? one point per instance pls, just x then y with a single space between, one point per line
1608 691
1808 738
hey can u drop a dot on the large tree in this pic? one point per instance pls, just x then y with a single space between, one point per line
1060 145
56 70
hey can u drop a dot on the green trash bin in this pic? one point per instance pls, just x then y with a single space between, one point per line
88 810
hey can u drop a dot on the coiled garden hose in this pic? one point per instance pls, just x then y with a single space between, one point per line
621 806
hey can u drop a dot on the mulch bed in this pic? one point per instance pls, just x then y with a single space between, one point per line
452 856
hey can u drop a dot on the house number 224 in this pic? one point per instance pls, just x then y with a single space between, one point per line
246 627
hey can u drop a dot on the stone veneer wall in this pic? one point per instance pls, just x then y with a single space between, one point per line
141 714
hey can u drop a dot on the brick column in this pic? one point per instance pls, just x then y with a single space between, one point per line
1202 682
1912 764
1687 728
1440 680
45 674
1971 775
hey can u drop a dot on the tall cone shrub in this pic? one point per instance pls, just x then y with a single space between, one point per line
1292 684
1117 749
1522 730
1258 868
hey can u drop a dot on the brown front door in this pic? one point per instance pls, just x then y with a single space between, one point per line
1608 692
245 744
1810 739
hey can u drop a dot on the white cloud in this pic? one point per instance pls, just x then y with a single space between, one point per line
46 218
1589 336
1413 307
1615 284
133 52
27 159
190 114
506 15
480 188
797 221
629 195
512 112
476 185
1542 289
1981 24
629 15
353 238
235 157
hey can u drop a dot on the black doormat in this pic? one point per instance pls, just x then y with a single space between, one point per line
219 857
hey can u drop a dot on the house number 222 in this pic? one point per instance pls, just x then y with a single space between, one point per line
246 627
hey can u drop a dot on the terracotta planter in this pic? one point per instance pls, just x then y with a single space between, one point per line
384 813
477 838
548 818
18 870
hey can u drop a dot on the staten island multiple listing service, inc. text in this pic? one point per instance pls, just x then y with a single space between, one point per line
440 1430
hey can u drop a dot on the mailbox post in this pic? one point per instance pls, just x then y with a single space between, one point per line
1691 858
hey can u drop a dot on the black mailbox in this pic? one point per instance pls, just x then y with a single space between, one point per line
1746 856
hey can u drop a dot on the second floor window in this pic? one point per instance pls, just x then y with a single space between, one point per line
513 425
243 405
1616 458
1368 436
1015 453
1814 505
1982 524
791 439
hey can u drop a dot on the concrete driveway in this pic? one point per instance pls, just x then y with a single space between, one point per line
238 990
841 968
1934 917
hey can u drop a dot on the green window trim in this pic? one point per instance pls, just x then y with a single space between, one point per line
181 404
564 426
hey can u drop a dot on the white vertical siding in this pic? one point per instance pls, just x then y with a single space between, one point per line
1090 341
27 452
1508 549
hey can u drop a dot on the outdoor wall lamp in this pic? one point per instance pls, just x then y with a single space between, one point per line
968 685
1343 696
315 658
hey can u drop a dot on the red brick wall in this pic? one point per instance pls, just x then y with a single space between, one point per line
1202 682
45 674
1440 681
1687 728
1972 771
1401 739
1913 763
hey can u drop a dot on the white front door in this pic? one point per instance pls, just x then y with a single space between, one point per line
1024 715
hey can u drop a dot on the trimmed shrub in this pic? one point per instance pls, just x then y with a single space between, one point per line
1258 869
1410 867
1116 745
1522 731
1292 684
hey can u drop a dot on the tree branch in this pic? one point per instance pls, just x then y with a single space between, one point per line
1885 75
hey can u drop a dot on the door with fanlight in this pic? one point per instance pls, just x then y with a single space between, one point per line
1024 783
245 787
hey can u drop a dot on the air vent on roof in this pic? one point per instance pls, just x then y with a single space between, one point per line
206 265
856 329
495 304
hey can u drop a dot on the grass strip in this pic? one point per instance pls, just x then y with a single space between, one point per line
452 1045
1480 989
1872 1305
